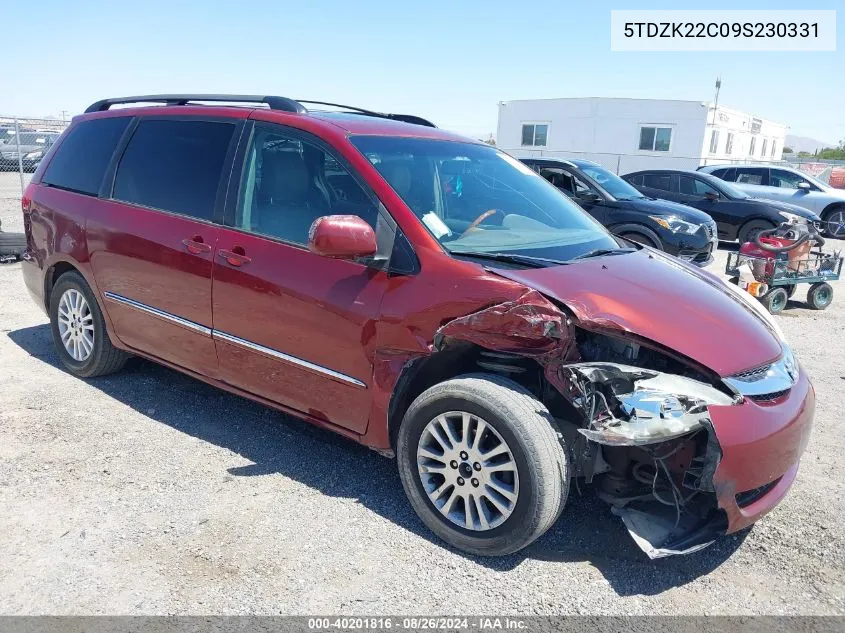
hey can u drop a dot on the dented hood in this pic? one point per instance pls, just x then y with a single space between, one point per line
650 295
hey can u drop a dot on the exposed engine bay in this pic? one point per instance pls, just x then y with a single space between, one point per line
634 420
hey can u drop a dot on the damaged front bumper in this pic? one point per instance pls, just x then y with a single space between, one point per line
726 482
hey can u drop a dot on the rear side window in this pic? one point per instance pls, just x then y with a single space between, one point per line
82 159
637 181
174 166
658 181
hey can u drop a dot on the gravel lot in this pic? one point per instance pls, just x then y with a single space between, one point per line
149 492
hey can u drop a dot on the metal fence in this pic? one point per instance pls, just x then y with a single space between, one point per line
23 143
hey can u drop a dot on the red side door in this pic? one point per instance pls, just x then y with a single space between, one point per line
152 242
290 326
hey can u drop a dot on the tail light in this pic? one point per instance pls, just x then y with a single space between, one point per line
26 200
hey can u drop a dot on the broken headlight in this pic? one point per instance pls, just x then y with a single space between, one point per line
625 405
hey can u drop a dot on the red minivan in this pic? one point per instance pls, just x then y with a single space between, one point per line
426 295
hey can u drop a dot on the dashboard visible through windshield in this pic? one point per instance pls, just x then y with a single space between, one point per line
475 199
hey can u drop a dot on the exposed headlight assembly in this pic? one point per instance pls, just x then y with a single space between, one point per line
675 224
629 406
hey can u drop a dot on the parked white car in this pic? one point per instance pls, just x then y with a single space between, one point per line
788 185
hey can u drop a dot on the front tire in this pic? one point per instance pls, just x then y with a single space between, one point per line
750 231
482 464
79 330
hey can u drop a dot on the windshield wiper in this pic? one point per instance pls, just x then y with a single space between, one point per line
598 252
508 258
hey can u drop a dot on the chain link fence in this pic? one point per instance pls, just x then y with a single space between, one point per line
23 143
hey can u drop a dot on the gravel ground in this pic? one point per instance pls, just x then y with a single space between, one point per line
148 492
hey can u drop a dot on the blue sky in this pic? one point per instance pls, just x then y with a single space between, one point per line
450 61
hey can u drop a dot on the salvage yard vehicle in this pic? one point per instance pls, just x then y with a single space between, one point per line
426 295
738 215
674 228
777 182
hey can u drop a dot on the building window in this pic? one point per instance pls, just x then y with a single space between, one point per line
535 134
763 151
751 147
714 141
655 139
729 145
774 145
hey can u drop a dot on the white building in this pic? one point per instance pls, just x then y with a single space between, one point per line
626 135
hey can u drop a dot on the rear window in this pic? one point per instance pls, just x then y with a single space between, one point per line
82 159
174 166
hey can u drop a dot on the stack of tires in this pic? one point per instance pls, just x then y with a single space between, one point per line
12 245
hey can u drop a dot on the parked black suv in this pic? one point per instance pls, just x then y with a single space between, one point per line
677 229
738 215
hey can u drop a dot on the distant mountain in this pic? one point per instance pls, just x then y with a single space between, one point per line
805 144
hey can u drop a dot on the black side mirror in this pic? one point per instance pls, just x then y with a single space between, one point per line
711 197
589 196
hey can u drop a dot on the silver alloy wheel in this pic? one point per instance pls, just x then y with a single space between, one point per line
76 325
836 224
468 471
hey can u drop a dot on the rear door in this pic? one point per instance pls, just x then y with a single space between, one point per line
291 326
152 243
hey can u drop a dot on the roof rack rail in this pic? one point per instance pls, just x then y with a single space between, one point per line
407 118
276 103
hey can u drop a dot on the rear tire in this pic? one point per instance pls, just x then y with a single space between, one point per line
820 295
89 357
750 230
530 456
775 300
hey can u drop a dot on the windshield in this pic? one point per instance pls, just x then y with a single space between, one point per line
610 182
474 198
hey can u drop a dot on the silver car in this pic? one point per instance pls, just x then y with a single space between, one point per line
775 182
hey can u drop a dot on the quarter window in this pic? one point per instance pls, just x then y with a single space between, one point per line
655 139
81 160
535 134
288 183
714 141
174 166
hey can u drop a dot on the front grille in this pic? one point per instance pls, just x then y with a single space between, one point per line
753 375
768 397
748 497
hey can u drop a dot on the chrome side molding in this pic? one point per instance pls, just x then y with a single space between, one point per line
234 340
